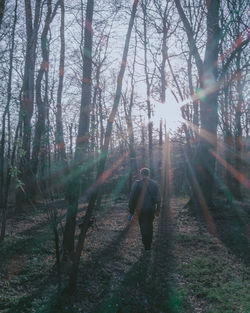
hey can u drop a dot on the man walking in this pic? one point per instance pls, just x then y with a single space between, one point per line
144 201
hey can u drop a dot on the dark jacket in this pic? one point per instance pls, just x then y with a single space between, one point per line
144 195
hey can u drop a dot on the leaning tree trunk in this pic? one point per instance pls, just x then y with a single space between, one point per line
101 175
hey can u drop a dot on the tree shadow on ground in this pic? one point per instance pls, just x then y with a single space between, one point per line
93 280
150 285
46 298
232 225
105 285
233 228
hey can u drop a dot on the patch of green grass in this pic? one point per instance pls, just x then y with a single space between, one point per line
27 259
193 239
13 245
176 301
213 280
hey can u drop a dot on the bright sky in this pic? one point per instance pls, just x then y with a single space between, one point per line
169 111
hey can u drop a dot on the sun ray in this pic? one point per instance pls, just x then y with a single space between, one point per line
239 176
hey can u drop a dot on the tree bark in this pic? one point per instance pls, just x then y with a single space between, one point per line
238 130
41 103
129 121
209 106
82 141
27 102
2 7
59 125
148 86
5 182
62 166
208 76
101 176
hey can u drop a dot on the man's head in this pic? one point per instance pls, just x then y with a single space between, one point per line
145 172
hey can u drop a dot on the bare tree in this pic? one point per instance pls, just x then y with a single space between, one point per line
74 182
27 102
128 106
2 7
101 175
62 166
149 80
41 103
5 180
208 75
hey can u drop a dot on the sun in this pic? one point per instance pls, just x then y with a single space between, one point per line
169 111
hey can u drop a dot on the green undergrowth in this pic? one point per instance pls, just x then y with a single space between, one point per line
17 244
213 276
25 262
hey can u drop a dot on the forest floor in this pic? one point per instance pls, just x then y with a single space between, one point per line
189 269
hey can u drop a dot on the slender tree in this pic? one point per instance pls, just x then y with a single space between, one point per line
101 175
129 120
82 141
5 182
144 5
2 7
59 135
27 101
41 103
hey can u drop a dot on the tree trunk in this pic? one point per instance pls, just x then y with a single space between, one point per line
143 145
7 185
129 121
6 110
74 183
208 75
228 138
164 58
2 7
238 129
59 136
27 102
4 183
41 103
191 88
100 108
101 175
209 106
148 85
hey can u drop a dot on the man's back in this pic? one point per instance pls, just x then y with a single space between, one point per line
144 196
145 200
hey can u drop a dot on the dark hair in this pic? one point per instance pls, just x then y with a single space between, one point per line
145 171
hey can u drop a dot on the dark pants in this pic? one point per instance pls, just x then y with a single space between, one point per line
146 227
